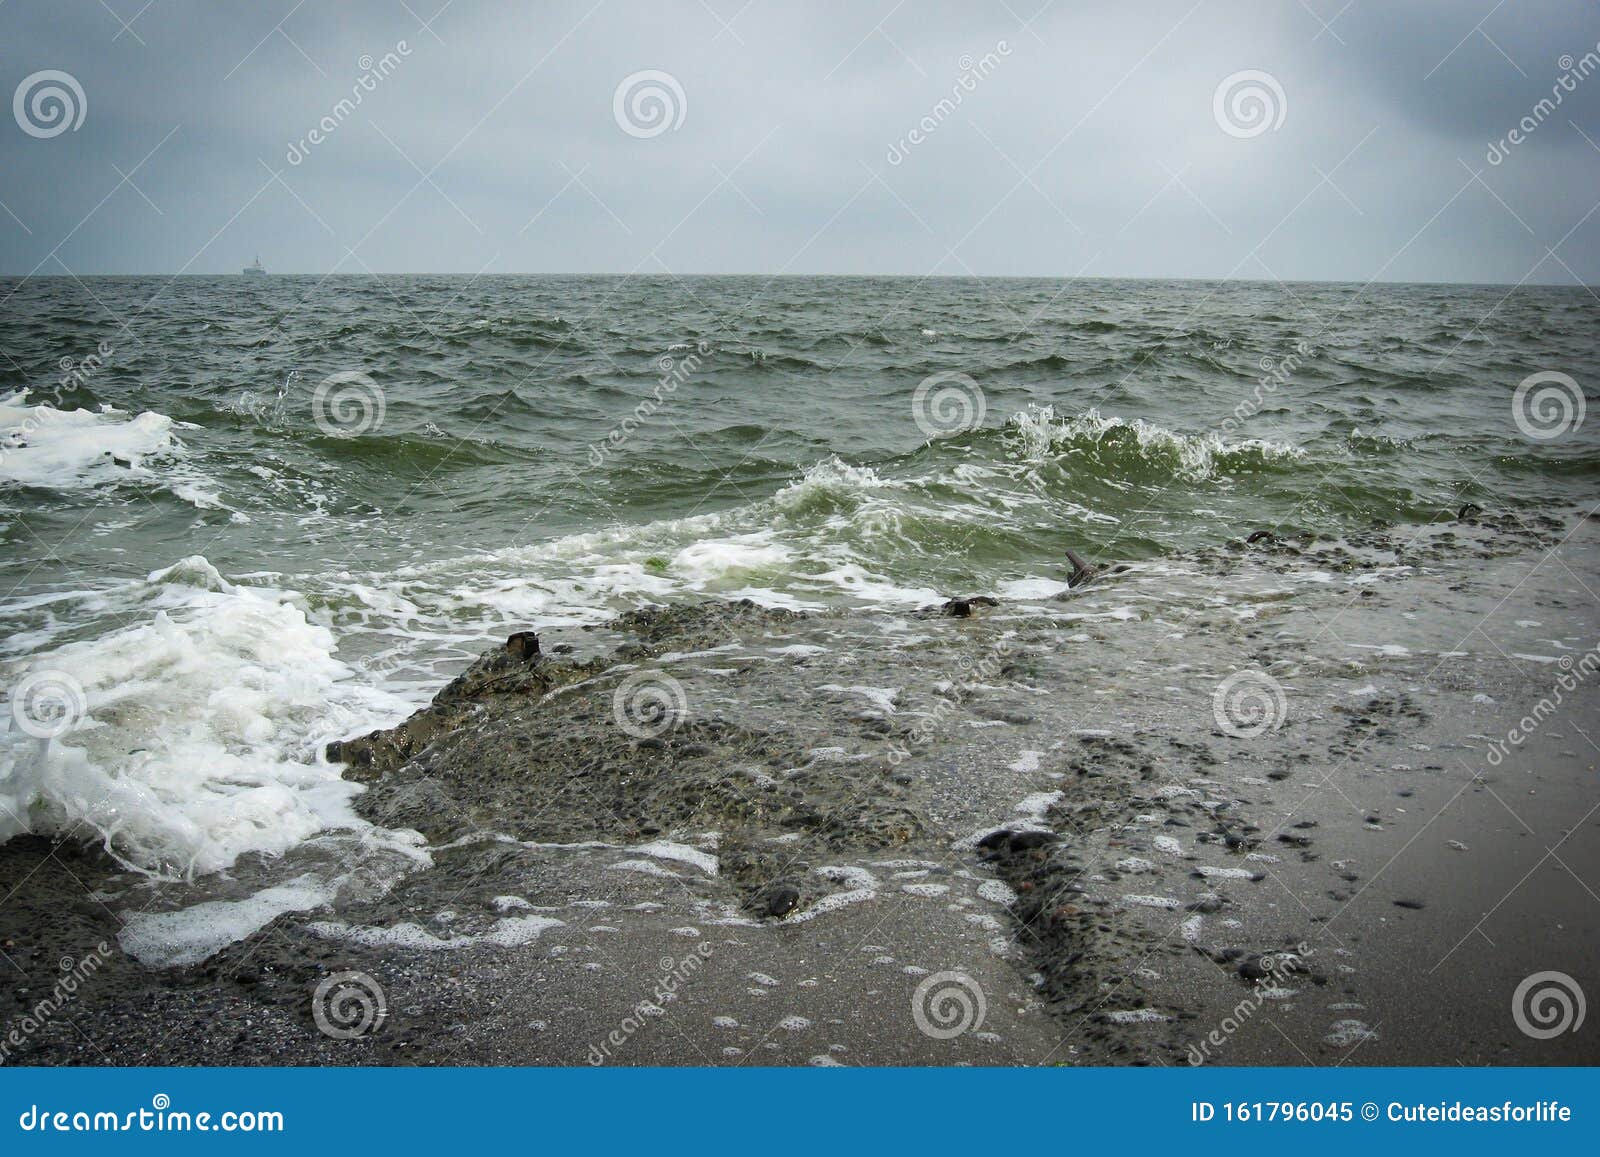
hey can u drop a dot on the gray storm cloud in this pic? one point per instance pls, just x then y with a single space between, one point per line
1431 141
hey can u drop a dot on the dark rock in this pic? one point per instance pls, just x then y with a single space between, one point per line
780 900
1027 841
1254 968
957 608
963 608
1414 905
523 645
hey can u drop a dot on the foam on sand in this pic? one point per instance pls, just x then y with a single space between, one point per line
682 853
507 932
190 935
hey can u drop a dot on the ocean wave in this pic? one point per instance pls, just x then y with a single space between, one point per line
197 734
827 484
1122 445
51 449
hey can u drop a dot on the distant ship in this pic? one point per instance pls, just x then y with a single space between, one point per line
254 269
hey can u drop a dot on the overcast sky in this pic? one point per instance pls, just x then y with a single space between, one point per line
1073 138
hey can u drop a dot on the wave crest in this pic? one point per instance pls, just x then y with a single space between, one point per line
1132 446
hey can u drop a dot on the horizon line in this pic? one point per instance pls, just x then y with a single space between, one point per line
1527 284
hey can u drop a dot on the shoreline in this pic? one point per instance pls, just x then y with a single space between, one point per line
1156 873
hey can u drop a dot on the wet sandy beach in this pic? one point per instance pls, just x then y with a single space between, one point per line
1043 832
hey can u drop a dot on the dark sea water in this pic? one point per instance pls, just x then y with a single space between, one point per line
244 516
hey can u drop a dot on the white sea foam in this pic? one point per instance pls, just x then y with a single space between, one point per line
203 733
507 932
43 446
643 867
703 563
190 935
863 887
72 449
682 853
1036 805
